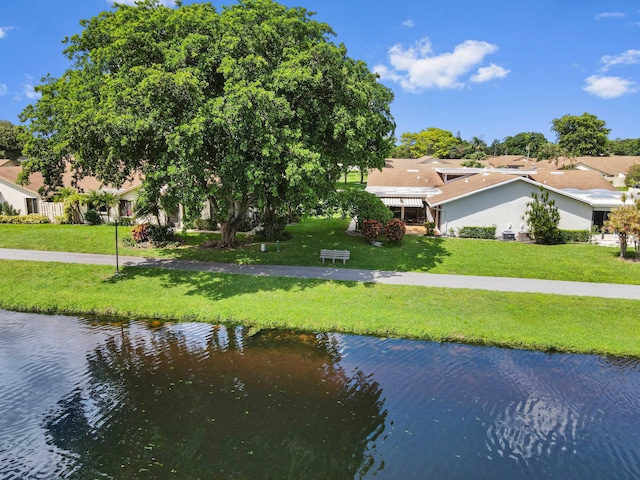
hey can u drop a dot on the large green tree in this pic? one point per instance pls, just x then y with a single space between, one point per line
584 135
252 105
430 141
627 146
524 143
11 143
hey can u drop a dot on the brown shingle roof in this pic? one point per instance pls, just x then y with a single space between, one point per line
610 165
36 181
404 172
578 179
469 185
519 161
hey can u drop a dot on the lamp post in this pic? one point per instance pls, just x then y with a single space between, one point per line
117 263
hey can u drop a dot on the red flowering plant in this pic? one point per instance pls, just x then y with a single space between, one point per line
371 229
394 230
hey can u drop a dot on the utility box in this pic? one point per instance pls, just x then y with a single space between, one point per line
508 235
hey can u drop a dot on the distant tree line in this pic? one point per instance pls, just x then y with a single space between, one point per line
576 136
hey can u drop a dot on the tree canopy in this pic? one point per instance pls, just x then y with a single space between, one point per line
430 141
11 143
584 135
524 143
252 105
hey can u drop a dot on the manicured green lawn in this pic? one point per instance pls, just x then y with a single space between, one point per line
588 263
532 321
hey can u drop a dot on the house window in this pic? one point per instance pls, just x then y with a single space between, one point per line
599 217
126 208
32 205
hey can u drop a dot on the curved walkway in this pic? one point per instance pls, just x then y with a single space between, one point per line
604 290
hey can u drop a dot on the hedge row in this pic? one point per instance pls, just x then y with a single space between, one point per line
31 218
487 233
574 236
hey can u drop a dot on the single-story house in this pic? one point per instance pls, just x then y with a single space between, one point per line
455 197
28 198
613 168
499 199
403 185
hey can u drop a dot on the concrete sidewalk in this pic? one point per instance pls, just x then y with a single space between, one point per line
604 290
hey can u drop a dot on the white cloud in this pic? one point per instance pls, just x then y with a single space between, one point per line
602 15
609 87
3 89
386 74
408 23
4 30
28 90
486 74
630 57
418 67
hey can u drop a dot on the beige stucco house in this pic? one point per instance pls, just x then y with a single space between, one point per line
28 198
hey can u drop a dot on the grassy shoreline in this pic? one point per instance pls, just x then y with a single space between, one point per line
528 321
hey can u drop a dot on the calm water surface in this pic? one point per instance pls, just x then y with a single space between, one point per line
85 399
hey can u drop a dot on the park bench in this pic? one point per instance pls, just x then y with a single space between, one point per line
334 255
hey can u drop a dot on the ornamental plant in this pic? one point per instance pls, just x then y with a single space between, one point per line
371 229
149 233
394 230
543 218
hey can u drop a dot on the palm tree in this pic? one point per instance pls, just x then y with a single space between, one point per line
109 200
72 201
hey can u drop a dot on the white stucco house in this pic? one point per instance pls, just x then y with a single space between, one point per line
455 197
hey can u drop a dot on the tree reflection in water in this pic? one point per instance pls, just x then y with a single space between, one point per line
271 405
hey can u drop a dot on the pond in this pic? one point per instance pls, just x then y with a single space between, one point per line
85 398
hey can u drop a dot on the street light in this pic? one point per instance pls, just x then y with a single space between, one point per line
117 263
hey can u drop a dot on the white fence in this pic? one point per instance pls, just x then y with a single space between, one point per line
51 209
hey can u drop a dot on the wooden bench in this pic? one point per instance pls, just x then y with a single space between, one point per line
334 255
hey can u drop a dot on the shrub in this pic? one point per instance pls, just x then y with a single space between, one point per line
148 233
371 229
363 205
543 218
92 217
7 209
205 224
430 228
394 230
34 218
486 233
31 218
574 236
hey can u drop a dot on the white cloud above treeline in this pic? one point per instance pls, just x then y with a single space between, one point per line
419 68
602 15
630 57
607 87
408 23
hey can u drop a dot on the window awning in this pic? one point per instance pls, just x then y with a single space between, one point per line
402 202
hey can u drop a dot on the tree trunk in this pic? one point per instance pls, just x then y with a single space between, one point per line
235 213
228 234
623 245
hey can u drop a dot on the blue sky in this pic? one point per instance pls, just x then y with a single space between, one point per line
486 69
